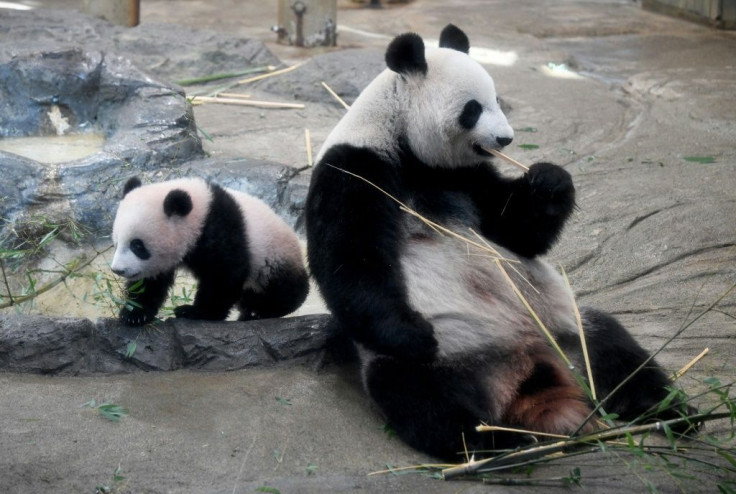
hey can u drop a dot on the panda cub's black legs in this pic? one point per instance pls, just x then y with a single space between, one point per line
283 293
145 300
213 301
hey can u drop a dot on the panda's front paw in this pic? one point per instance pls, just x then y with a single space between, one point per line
135 316
551 188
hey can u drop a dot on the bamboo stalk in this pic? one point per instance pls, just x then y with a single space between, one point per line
218 77
269 74
232 95
511 160
334 95
579 321
694 361
493 428
243 102
412 467
308 142
532 312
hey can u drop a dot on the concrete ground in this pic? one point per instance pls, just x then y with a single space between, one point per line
626 100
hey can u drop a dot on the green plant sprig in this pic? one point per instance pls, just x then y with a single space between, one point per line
71 268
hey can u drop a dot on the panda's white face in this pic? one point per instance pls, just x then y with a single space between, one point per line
453 111
148 239
137 253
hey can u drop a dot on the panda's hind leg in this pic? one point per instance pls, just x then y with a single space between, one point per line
281 290
433 408
614 356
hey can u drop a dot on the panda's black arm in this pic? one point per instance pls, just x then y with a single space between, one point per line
353 244
526 214
144 300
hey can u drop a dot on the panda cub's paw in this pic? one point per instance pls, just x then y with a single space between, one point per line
552 188
135 316
187 312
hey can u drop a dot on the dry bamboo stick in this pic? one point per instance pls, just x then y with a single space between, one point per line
550 338
308 142
334 95
269 74
511 160
493 428
232 95
243 102
694 361
413 467
583 343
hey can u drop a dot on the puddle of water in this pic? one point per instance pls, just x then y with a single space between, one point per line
560 71
14 6
54 149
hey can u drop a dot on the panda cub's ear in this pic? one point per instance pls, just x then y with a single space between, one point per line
132 183
405 55
453 37
177 202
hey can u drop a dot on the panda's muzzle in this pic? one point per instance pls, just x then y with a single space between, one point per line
500 143
124 273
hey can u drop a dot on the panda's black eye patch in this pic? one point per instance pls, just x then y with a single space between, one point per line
139 249
470 115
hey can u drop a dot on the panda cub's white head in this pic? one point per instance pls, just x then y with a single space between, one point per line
156 225
449 105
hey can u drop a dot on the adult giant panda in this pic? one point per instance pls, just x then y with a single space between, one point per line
237 248
445 342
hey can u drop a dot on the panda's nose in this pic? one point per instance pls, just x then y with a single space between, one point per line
504 141
119 272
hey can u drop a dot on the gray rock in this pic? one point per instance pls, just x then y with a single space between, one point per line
346 72
69 346
19 184
147 124
164 50
44 345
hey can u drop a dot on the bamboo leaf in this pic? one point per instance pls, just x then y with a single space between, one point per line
703 160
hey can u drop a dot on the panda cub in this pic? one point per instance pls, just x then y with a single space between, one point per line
444 341
236 247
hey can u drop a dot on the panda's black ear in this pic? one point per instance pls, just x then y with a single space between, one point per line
453 37
405 55
177 202
132 183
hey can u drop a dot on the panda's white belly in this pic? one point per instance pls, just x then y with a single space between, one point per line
462 291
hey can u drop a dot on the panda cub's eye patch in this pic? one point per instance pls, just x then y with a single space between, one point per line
139 249
470 115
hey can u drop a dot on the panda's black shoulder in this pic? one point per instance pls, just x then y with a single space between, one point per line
348 166
353 158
